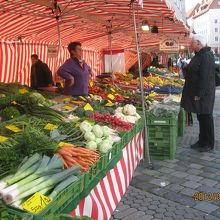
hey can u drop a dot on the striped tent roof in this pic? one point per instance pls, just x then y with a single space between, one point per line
86 21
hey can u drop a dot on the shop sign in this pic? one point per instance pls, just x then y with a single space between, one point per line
169 44
52 51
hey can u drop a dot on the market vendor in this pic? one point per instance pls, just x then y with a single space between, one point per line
41 76
75 72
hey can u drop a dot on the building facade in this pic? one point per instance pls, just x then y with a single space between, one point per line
205 20
179 7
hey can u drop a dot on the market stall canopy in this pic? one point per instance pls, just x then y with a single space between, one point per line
87 21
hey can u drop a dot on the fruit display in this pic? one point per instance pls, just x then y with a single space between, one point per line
162 71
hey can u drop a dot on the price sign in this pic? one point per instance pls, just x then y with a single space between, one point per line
109 104
84 99
36 203
50 127
67 107
61 144
13 128
22 91
67 99
91 123
110 96
88 107
91 84
3 139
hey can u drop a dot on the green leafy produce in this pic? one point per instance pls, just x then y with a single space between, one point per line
9 113
10 89
33 140
69 132
45 113
37 98
164 109
9 157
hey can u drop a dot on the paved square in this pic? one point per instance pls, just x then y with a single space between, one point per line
189 173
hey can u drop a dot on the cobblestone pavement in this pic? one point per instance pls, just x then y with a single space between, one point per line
166 192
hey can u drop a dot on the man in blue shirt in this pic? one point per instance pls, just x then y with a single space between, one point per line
75 72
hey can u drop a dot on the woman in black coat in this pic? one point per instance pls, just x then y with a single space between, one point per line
199 92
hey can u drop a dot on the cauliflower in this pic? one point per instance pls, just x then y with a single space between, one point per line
121 116
131 119
129 110
119 110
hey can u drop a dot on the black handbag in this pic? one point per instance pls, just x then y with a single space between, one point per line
217 75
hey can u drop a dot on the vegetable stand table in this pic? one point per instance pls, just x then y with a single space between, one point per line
106 195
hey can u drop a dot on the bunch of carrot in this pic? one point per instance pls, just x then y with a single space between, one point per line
78 156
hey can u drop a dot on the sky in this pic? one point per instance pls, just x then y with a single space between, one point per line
191 3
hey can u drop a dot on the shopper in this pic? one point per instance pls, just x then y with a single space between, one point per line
75 72
181 63
169 63
199 92
41 76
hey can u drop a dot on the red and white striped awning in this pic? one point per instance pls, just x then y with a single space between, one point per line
86 21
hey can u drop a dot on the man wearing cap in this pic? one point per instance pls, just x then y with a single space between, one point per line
75 72
199 92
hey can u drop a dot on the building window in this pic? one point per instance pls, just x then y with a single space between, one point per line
216 38
216 29
216 21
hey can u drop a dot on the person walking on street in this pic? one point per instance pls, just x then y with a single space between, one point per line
199 92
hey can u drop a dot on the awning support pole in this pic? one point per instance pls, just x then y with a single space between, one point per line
146 144
59 41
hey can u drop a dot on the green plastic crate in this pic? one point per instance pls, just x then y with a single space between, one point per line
56 206
181 123
94 171
162 137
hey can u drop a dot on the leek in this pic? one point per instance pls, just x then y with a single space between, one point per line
61 186
19 175
39 184
47 166
26 163
22 176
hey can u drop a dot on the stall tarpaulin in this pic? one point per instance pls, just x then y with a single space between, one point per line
86 21
15 60
104 198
